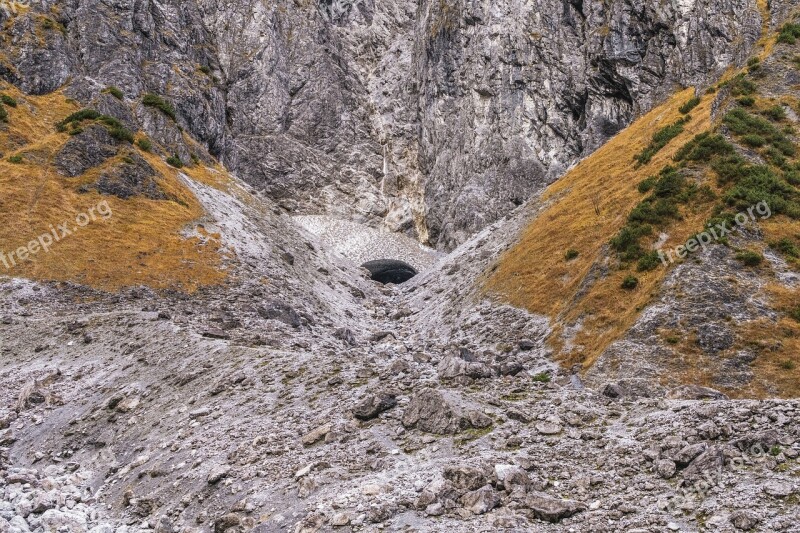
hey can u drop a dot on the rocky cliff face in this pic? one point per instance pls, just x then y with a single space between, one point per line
433 118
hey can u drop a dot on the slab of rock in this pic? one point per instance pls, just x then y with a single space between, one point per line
373 405
465 477
280 311
316 434
778 489
548 428
217 474
481 501
85 150
429 411
550 509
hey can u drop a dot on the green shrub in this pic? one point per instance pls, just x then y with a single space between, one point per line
688 106
758 183
704 147
649 261
116 92
7 100
144 144
205 70
741 123
787 247
789 33
795 314
754 140
630 282
544 377
110 121
3 114
647 185
571 254
741 86
121 134
746 101
152 100
16 159
788 365
77 117
627 242
776 113
175 161
749 258
660 139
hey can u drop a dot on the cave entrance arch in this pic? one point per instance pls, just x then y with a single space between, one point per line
390 271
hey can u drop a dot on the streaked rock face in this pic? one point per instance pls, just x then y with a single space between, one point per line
433 118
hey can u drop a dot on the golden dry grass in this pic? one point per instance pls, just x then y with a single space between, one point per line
141 244
589 206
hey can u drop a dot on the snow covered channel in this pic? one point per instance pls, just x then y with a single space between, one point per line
360 243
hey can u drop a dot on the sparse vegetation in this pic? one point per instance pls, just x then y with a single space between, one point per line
787 247
776 113
660 139
544 377
746 101
750 258
690 105
116 92
789 33
144 144
8 100
152 100
630 282
3 115
788 365
571 254
175 161
16 159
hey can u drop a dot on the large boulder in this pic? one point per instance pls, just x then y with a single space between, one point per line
85 150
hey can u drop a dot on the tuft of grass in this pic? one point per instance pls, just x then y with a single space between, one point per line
175 161
660 139
571 254
690 105
3 114
116 92
750 258
16 159
153 100
544 377
788 364
630 282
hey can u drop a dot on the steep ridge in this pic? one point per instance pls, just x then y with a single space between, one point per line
711 318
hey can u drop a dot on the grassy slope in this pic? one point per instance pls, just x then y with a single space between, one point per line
141 244
587 208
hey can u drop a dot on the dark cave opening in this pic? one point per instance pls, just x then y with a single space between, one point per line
390 271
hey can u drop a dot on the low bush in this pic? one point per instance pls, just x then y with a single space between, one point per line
144 144
116 92
7 100
155 101
789 33
660 139
688 106
787 247
630 282
704 147
749 258
776 113
16 159
175 161
3 114
649 261
571 254
647 185
746 101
